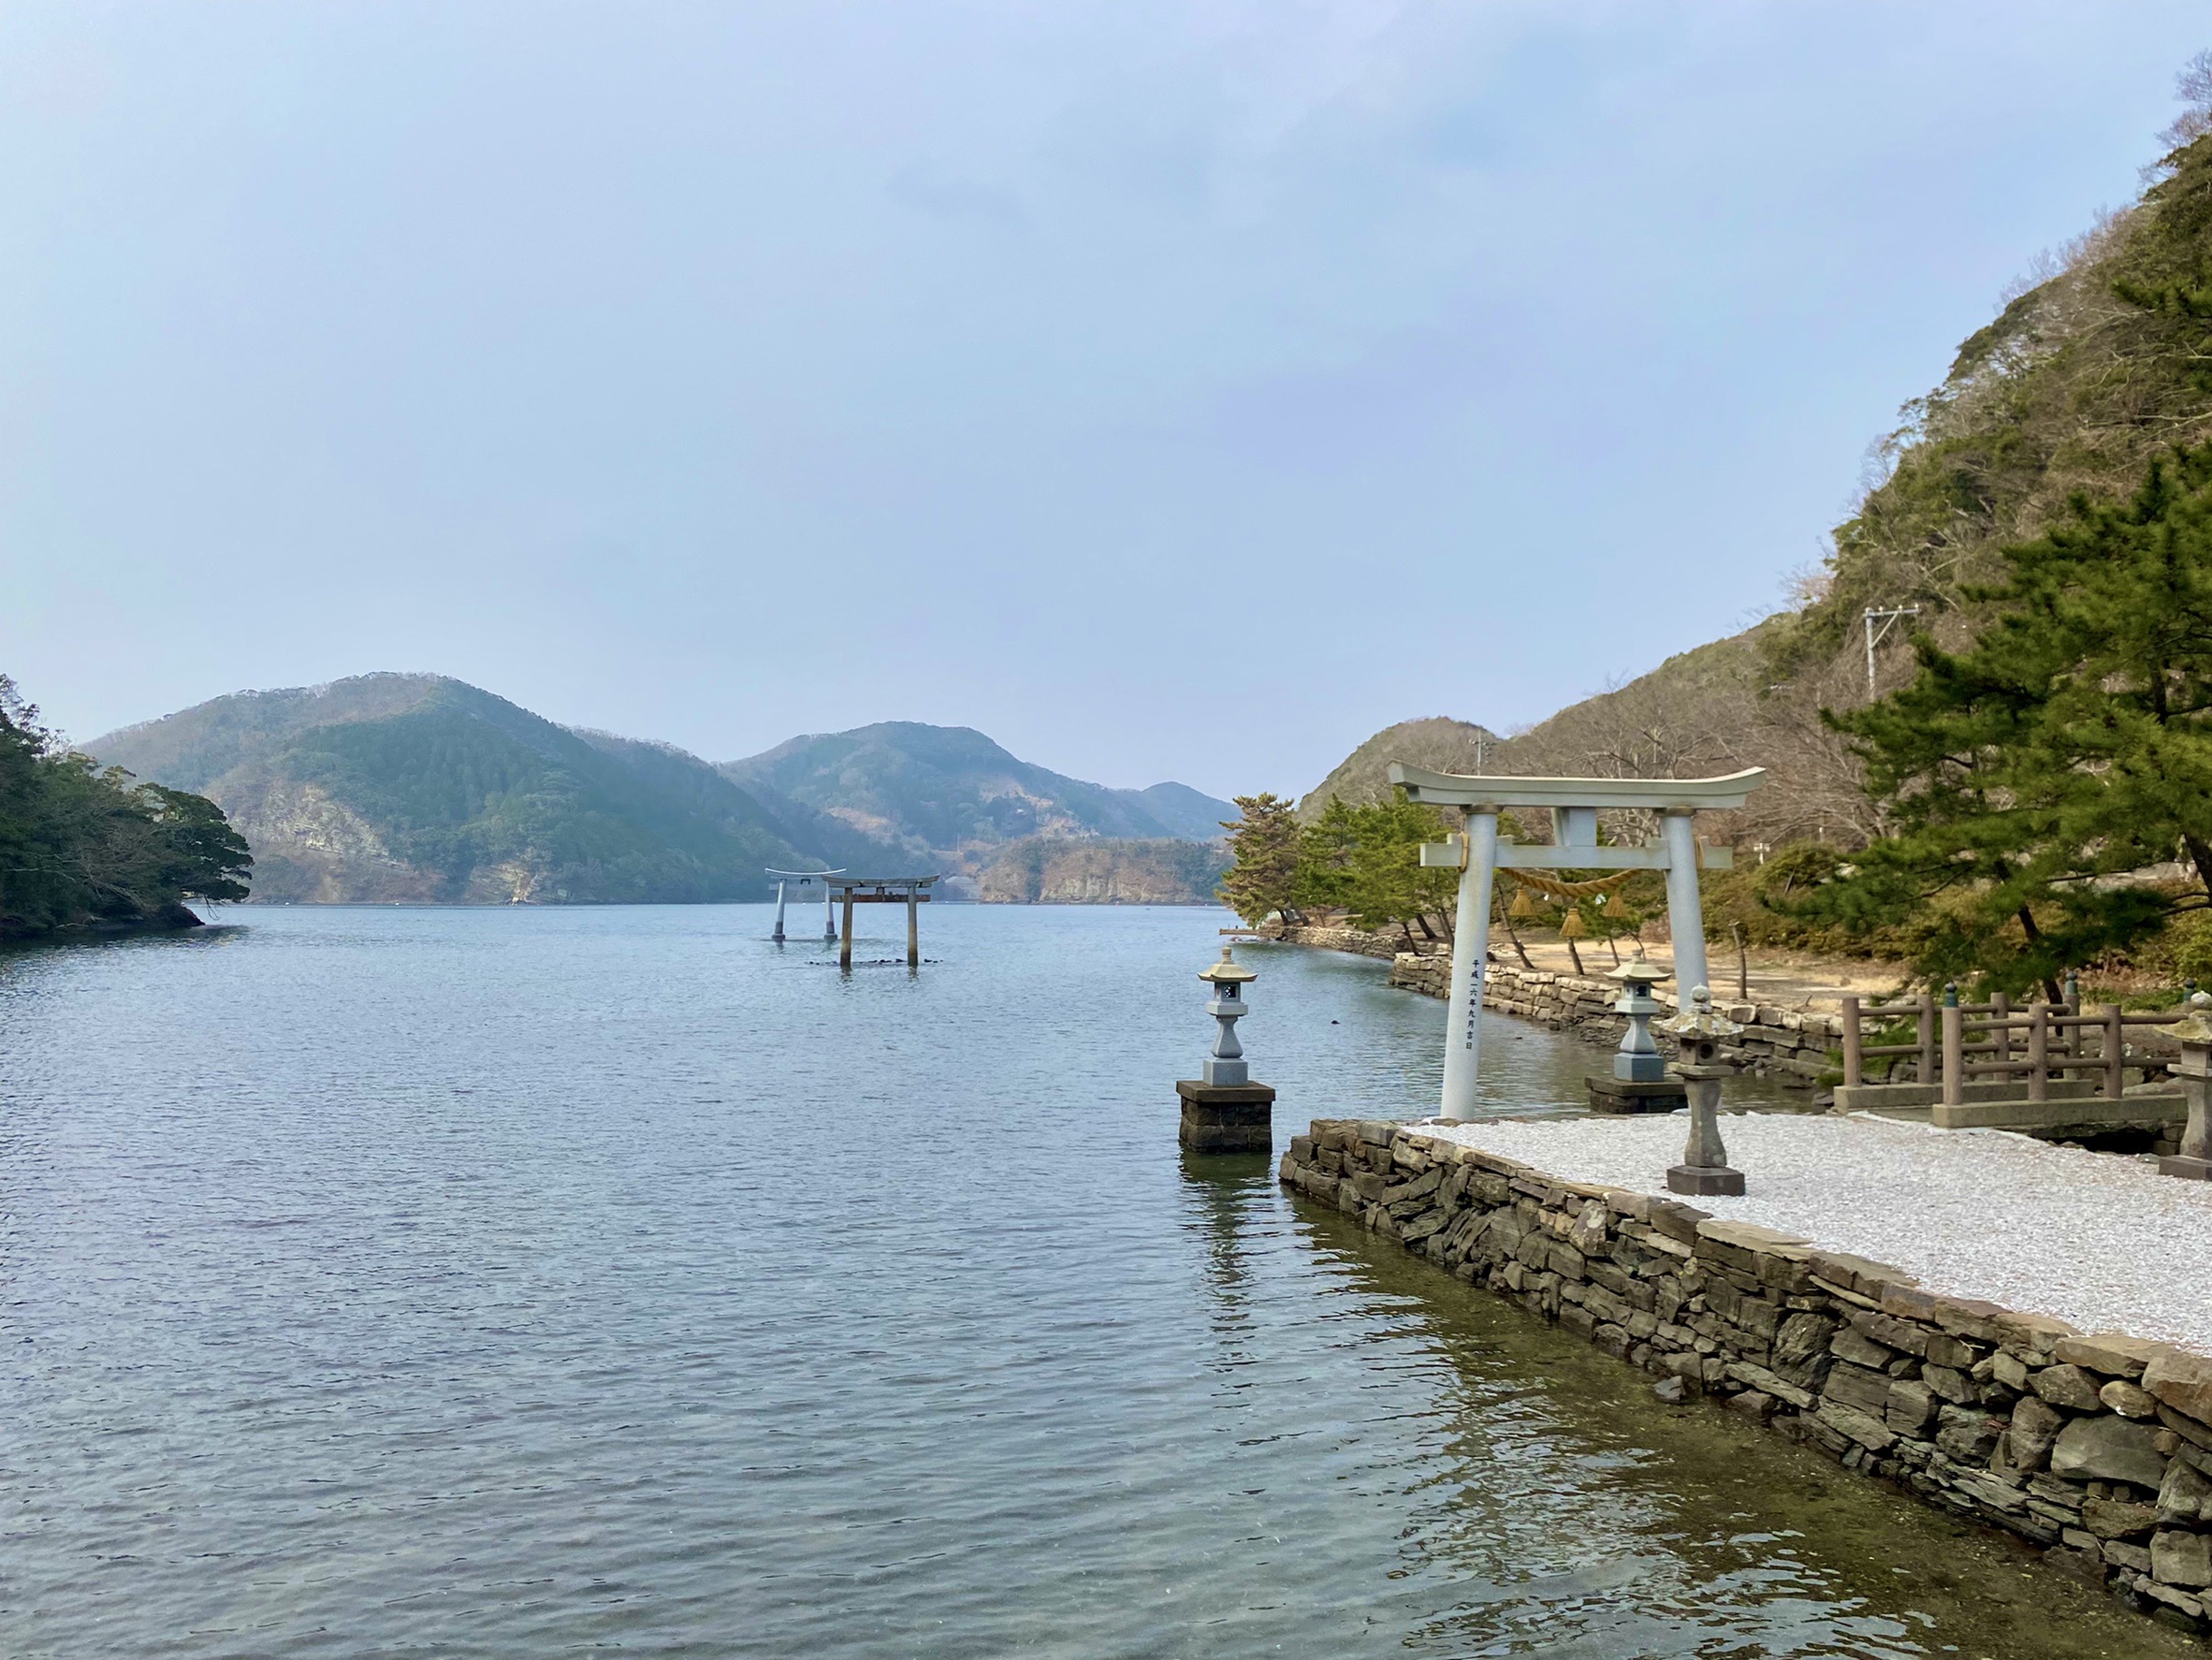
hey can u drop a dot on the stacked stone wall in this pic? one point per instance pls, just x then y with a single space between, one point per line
2096 1447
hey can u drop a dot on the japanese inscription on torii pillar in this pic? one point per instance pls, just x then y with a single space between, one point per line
1574 803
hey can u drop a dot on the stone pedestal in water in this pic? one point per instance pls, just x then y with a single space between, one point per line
1638 1081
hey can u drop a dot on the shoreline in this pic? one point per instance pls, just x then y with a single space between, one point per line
1791 1044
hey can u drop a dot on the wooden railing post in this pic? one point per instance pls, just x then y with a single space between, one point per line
2116 1055
2039 1051
1851 1042
1954 1049
2001 1011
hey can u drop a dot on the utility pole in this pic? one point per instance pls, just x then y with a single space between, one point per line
1883 615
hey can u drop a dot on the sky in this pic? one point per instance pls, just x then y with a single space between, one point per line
1168 389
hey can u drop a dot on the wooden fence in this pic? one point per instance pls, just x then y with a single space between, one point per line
1956 1043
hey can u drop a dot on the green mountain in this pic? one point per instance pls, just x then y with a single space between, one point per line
948 796
418 787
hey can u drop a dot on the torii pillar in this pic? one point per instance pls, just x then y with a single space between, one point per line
1478 855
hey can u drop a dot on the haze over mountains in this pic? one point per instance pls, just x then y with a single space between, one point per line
416 788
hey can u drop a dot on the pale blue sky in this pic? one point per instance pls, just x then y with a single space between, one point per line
1168 389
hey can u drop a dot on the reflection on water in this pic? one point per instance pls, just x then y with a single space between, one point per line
509 1283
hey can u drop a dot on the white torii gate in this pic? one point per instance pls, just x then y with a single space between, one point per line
1479 856
803 878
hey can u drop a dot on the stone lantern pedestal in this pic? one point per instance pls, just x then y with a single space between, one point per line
1223 1110
1638 1081
2193 1163
1704 1169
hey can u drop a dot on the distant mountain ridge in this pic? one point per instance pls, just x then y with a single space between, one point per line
950 789
418 788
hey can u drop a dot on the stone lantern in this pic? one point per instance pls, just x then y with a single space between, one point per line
1640 1082
1229 978
2194 1068
1223 1110
1698 1030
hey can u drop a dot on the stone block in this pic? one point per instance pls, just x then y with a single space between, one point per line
1801 1348
2113 1353
1422 1226
2036 1333
1966 1435
2117 1519
1678 1221
2105 1449
1855 1385
2124 1398
2185 1495
1948 1383
1855 1346
2181 1558
2036 1428
2067 1386
1901 1336
1865 1428
2182 1381
2134 1558
1751 1403
1954 1352
1911 1409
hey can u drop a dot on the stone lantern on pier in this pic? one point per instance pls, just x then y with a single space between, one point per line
1638 1083
1698 1029
1223 1110
2194 1068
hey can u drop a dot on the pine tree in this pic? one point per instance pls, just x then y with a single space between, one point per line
2070 745
1265 845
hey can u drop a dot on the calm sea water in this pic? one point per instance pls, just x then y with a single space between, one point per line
531 1282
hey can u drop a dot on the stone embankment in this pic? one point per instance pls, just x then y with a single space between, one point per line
2096 1447
1788 1042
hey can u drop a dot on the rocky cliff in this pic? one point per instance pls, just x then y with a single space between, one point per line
1041 870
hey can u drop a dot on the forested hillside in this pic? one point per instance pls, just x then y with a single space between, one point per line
950 797
418 787
84 846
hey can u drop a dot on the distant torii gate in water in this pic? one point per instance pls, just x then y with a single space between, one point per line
1575 803
911 891
785 878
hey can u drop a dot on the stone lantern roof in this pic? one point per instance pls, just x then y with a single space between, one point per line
1227 971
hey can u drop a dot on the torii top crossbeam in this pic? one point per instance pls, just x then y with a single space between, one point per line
1454 788
1575 804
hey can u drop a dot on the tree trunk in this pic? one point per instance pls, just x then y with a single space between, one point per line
1519 950
2050 982
2200 854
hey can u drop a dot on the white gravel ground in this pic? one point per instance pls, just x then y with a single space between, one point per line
2097 1238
